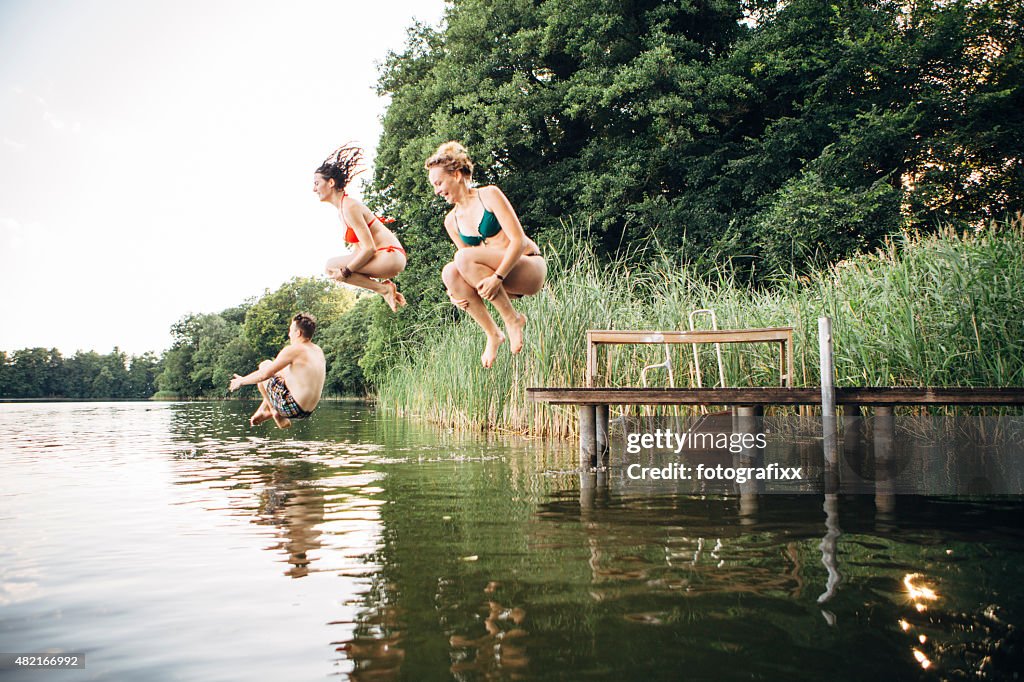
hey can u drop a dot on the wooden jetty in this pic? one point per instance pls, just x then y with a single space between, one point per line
593 402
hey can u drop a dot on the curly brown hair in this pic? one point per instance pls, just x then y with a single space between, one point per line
452 157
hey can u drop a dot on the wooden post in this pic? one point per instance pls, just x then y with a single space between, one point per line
588 486
782 363
588 437
885 459
852 420
601 428
830 436
745 420
787 349
854 450
591 360
746 416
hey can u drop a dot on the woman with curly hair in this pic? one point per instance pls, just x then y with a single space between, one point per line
494 259
378 255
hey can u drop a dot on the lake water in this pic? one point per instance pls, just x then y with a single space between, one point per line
169 541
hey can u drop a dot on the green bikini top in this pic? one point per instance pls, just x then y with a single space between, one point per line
488 227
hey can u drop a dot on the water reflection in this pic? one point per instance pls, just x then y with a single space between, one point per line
377 549
323 499
704 556
375 650
501 650
829 550
297 511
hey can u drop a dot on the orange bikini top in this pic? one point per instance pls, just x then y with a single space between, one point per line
350 234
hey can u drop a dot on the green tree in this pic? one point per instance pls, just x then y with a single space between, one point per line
179 361
213 333
845 98
102 382
142 373
115 383
676 121
55 375
266 322
194 365
235 357
814 223
82 369
574 108
42 373
345 344
175 377
28 375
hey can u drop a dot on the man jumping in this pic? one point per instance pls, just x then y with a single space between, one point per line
292 382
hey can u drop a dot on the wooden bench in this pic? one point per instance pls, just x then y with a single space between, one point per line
780 335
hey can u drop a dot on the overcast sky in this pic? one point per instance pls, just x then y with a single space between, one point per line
157 158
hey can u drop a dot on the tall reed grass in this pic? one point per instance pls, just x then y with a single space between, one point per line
940 310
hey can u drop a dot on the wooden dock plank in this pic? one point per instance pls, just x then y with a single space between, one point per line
927 395
777 396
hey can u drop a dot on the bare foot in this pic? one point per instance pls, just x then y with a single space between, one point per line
261 415
398 294
393 297
515 333
491 350
282 422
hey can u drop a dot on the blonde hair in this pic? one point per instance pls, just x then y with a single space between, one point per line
452 157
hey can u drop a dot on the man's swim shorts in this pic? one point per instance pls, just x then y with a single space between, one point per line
282 400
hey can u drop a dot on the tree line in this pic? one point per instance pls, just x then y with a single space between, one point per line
40 373
207 350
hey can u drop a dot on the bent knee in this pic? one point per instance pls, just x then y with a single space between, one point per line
450 274
266 363
463 259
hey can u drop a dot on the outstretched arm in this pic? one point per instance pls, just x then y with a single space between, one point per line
283 359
